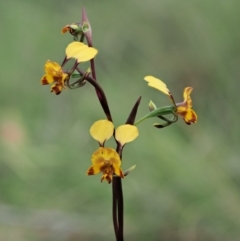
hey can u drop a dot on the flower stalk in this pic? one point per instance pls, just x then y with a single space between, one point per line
107 160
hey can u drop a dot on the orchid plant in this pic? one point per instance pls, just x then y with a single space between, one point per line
107 160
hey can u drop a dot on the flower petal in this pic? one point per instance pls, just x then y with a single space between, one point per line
98 157
80 51
86 54
107 177
118 171
64 79
53 68
126 133
191 117
93 170
74 48
188 115
65 29
47 79
157 84
107 161
57 88
105 155
186 96
102 130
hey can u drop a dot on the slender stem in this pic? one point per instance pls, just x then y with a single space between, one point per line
73 68
82 38
93 69
101 95
120 207
117 184
114 208
117 195
117 199
64 61
92 63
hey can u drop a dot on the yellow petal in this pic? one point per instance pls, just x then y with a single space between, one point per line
118 171
64 79
107 177
126 133
102 130
53 68
190 117
57 88
157 84
186 96
105 155
98 157
93 170
107 161
80 51
74 48
86 54
47 79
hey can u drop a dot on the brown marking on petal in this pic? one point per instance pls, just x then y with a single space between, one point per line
65 29
107 177
90 171
44 80
121 173
182 113
193 117
57 79
57 89
107 171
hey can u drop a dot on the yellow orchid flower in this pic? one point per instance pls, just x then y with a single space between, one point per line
107 160
54 75
184 108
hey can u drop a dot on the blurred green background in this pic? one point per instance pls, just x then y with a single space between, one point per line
186 186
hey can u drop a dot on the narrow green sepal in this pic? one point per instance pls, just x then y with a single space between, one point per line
129 170
152 106
161 111
158 112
